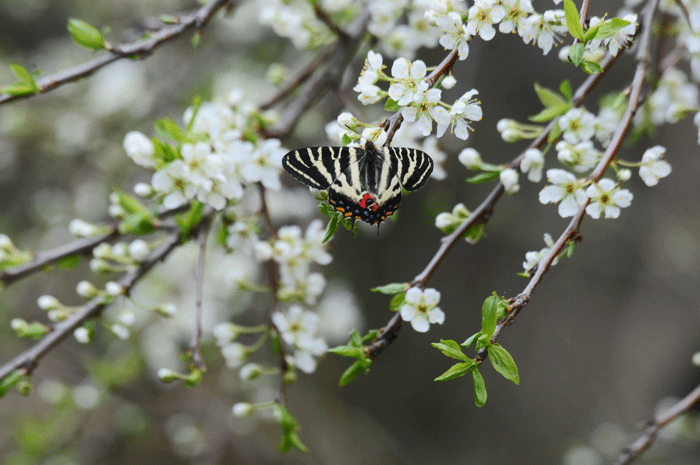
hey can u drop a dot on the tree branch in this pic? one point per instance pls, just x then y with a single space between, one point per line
196 20
78 247
634 450
330 77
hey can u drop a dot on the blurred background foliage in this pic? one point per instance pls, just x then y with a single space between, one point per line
607 337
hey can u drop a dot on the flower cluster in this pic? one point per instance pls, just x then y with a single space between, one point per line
213 171
422 103
297 21
298 328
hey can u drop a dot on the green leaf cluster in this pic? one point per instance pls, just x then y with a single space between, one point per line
355 349
336 219
26 84
601 31
85 34
289 426
138 220
493 309
554 103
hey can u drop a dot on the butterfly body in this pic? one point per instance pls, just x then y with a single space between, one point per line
363 183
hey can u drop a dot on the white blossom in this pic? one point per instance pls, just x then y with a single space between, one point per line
421 308
653 167
139 148
566 190
577 125
482 16
509 179
532 164
607 198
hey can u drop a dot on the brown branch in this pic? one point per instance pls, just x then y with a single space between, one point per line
634 450
140 49
325 18
322 81
49 257
301 77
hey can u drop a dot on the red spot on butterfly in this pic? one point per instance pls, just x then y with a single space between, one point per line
369 202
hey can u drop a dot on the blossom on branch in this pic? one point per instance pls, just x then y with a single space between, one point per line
421 309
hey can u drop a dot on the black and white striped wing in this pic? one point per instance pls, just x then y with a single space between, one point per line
319 167
411 166
363 184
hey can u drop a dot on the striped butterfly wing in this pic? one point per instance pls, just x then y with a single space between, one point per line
319 167
362 184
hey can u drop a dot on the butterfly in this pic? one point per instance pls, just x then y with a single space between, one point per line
363 183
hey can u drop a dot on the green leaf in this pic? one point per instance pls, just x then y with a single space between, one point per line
353 371
168 128
131 204
85 34
591 67
470 340
332 227
455 371
391 105
451 349
196 39
393 288
163 152
484 177
573 21
479 387
27 84
137 224
355 338
187 221
565 89
69 262
397 302
348 351
549 113
554 134
548 97
576 52
19 89
9 381
489 315
347 139
503 362
289 426
591 33
23 75
610 27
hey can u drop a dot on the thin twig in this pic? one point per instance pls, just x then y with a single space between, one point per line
49 257
634 450
304 74
195 346
323 80
196 20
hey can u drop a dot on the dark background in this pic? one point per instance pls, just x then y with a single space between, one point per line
607 335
